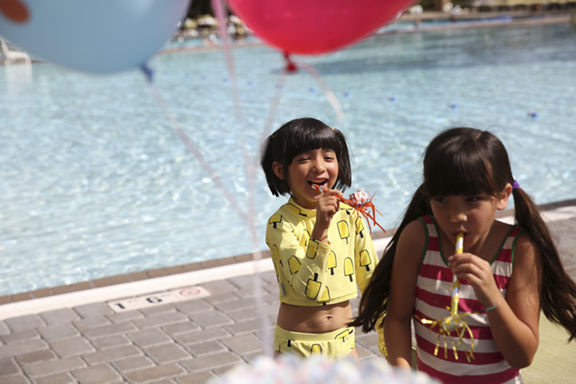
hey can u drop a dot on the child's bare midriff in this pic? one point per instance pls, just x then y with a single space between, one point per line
320 319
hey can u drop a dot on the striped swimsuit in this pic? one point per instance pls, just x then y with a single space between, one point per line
432 299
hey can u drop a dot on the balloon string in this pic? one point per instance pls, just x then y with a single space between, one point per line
257 254
250 169
220 11
194 150
273 107
330 96
332 99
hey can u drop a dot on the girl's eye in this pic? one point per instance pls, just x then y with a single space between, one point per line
329 156
474 199
302 158
440 199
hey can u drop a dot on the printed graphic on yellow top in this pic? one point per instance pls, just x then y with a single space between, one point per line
294 264
365 259
312 250
332 262
313 287
360 226
343 230
314 273
349 268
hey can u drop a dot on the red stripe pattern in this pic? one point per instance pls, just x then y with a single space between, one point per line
433 302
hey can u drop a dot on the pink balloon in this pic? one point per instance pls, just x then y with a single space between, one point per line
315 26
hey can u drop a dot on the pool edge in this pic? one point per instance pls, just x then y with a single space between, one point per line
134 277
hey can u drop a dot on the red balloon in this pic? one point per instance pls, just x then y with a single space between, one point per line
14 10
315 26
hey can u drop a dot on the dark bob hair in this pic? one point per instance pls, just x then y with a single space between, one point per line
298 136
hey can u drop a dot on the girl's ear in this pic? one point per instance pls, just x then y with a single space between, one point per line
503 197
278 169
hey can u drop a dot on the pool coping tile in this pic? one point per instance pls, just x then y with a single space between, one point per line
161 279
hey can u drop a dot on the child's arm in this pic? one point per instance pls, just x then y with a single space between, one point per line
397 323
514 321
300 261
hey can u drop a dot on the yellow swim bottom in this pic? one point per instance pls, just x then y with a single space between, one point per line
335 345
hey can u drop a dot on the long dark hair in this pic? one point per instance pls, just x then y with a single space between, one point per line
298 136
469 161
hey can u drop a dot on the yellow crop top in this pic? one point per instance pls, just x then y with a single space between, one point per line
312 273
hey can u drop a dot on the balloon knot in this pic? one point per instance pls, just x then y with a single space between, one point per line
148 72
291 67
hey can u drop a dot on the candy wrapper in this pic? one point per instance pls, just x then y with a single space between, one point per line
293 369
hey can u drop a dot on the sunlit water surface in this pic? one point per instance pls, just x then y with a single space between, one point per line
95 180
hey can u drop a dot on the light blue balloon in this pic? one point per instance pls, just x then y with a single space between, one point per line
96 36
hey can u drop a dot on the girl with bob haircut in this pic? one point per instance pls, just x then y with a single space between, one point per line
507 273
320 247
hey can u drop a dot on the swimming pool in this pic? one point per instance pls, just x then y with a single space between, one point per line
95 181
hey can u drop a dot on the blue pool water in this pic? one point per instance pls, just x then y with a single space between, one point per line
95 180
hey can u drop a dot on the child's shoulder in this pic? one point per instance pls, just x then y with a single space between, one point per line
520 240
411 248
524 245
504 230
291 212
415 233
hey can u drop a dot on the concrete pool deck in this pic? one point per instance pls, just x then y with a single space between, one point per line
188 327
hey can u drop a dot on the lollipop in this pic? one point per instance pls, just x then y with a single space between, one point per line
455 322
360 200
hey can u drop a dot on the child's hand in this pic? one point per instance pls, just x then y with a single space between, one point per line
478 273
327 205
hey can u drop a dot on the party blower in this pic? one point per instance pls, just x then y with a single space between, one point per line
360 200
453 328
